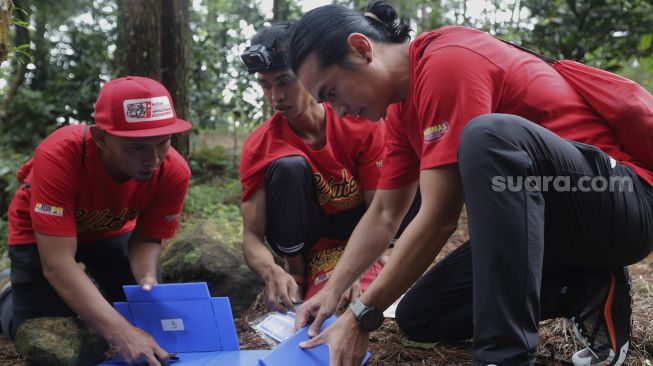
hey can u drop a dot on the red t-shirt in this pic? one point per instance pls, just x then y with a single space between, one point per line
459 73
322 260
348 164
61 197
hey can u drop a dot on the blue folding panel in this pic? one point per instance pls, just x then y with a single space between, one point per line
228 358
289 353
184 319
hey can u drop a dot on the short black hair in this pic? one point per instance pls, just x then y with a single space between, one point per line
325 30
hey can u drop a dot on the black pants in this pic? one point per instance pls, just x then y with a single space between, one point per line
536 252
32 295
295 220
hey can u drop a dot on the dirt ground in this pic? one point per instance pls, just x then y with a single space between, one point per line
387 349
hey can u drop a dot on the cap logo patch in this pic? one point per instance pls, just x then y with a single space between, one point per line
148 109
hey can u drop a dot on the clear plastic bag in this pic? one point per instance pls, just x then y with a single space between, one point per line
274 327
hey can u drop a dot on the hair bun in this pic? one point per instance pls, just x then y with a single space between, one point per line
382 11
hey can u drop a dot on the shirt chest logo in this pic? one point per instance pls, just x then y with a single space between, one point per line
435 132
102 220
341 193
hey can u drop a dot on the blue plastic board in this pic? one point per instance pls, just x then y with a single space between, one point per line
167 292
238 358
288 353
179 326
229 358
123 309
225 321
181 317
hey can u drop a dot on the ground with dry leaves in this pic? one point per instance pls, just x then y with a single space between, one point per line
387 349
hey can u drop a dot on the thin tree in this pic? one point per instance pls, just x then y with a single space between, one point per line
21 37
6 8
175 53
155 42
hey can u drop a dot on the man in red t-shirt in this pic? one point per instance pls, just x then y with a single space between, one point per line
105 195
557 206
307 177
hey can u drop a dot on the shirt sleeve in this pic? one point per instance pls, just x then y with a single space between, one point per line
250 179
453 85
370 157
400 162
54 190
161 216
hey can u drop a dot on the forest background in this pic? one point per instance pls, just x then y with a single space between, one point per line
61 52
56 55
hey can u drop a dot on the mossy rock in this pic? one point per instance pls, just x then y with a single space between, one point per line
198 255
60 341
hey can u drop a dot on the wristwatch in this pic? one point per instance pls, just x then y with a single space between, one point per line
369 317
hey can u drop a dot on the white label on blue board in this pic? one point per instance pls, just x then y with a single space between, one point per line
172 325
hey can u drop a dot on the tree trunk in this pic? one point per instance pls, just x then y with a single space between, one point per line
6 8
40 51
175 45
21 37
141 38
280 10
155 43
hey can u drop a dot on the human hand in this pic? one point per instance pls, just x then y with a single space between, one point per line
148 282
346 340
319 307
347 297
137 347
282 292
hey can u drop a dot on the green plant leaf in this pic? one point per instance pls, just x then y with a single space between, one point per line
645 42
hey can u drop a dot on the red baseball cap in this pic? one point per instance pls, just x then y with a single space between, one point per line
136 106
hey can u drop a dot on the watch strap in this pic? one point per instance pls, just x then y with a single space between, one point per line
357 307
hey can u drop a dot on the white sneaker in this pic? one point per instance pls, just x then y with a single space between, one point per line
586 357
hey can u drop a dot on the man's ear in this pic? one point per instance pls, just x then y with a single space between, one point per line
99 136
360 48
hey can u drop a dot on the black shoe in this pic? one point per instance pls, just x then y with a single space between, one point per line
605 323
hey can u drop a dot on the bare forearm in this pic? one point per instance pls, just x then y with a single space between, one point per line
258 258
436 221
76 289
413 253
368 241
281 289
144 259
257 255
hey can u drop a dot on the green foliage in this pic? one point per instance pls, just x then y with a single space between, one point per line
645 42
219 83
208 163
218 202
68 61
603 33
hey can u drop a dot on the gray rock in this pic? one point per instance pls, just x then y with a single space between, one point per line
60 342
200 256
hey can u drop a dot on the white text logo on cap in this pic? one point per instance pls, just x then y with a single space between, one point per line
148 109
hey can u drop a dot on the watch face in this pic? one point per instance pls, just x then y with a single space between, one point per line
371 319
